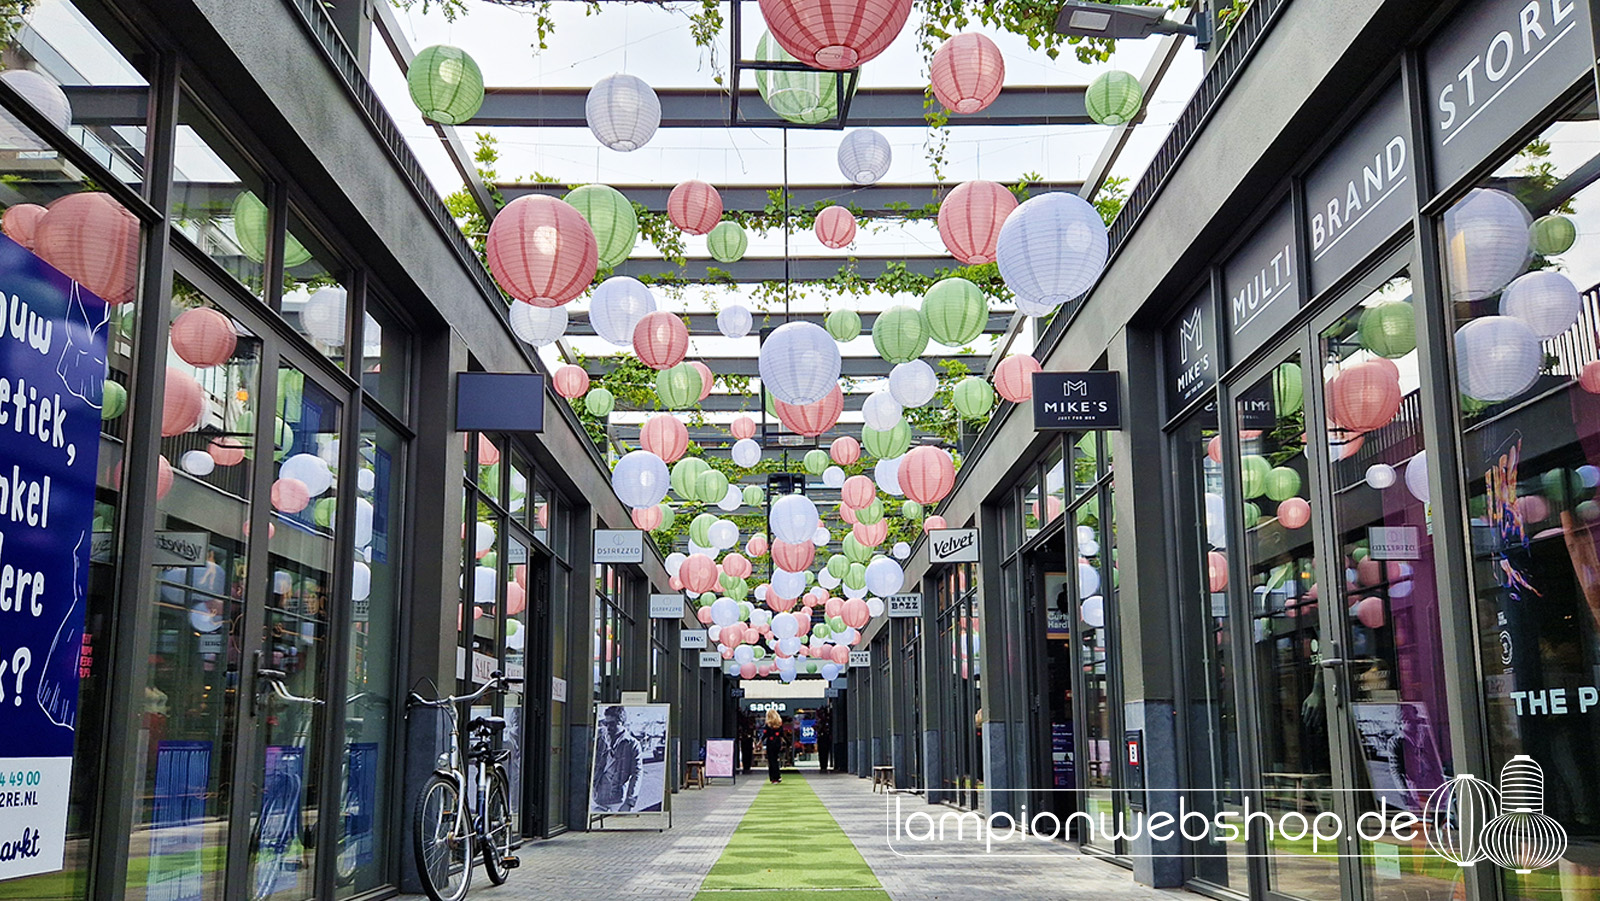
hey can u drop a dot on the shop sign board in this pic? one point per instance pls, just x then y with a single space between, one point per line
1496 65
692 638
176 549
618 546
1261 284
953 546
499 402
52 370
830 692
1189 346
635 698
666 606
860 658
1394 543
719 758
1079 401
710 660
903 605
558 689
1361 192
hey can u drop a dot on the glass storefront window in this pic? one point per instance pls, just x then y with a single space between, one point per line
218 198
385 358
1090 580
1055 486
316 295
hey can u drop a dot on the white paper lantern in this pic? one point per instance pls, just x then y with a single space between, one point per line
901 550
884 576
366 480
1546 301
913 384
538 326
197 463
851 634
623 112
1093 612
881 411
1497 358
793 518
830 671
744 654
310 469
761 592
485 584
784 625
887 475
483 537
821 537
874 606
363 522
788 584
735 321
702 551
799 363
1381 476
1051 249
730 501
360 581
673 563
617 306
323 315
746 452
1216 520
864 156
1486 243
45 96
833 477
1417 477
828 580
1088 579
640 479
724 534
724 612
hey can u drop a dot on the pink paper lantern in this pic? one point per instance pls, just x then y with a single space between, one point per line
832 607
694 207
737 566
848 513
226 451
813 419
967 73
164 482
571 381
541 250
933 523
519 574
183 403
93 240
872 535
1217 571
675 583
1294 513
1214 449
698 573
970 220
840 654
927 474
488 453
1363 397
835 227
20 221
1369 572
660 339
796 557
764 669
747 670
858 491
665 436
290 495
646 519
780 605
751 635
516 599
1013 378
707 380
1589 378
835 34
730 637
743 427
1370 612
203 337
756 546
855 613
845 450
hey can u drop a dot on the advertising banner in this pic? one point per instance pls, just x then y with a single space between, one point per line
628 772
719 758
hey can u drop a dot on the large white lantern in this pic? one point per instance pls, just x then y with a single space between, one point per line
1486 243
874 606
640 479
746 452
673 563
724 612
310 469
1380 476
1051 249
617 306
1546 300
197 463
43 95
864 156
323 315
724 534
793 518
833 477
731 501
881 411
623 112
538 325
788 584
884 576
1497 358
1417 477
799 363
913 384
901 550
821 537
828 580
735 321
887 474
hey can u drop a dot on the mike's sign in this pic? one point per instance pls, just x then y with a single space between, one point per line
1080 401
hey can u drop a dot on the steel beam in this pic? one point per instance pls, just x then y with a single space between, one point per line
853 367
871 200
705 324
771 269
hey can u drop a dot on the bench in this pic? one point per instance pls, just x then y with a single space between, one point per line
695 777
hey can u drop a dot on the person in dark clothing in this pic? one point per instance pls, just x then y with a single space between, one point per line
824 740
747 741
772 735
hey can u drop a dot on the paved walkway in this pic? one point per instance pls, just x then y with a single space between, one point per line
580 866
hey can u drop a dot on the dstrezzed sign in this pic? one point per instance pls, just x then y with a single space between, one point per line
1076 400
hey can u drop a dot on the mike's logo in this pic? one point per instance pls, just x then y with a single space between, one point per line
1079 388
1191 336
1467 820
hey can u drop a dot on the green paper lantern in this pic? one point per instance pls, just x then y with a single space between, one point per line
836 623
706 599
1282 483
726 581
844 325
1389 329
760 652
816 460
684 474
1563 487
710 486
811 666
1472 406
678 388
822 629
900 334
888 443
1553 234
322 513
1288 389
700 529
855 551
811 577
1252 515
955 311
727 242
802 96
600 402
1359 554
767 402
972 397
445 84
113 400
668 515
855 578
911 510
871 513
250 231
611 217
752 496
838 565
1114 97
1253 470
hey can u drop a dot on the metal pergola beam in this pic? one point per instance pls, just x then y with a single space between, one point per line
852 367
771 269
871 200
705 324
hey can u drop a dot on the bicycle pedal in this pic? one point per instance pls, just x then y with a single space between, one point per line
511 863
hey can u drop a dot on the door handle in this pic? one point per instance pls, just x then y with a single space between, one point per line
1331 662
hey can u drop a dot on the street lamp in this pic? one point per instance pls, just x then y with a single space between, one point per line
1108 20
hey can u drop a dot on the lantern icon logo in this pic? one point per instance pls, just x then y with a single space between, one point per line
1466 820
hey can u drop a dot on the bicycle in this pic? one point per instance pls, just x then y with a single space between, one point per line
445 825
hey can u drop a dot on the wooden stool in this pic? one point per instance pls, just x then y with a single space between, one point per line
883 776
696 776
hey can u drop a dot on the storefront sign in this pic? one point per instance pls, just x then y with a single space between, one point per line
558 689
1494 67
860 658
499 402
1261 285
666 606
483 667
953 546
737 693
180 549
719 758
1393 543
903 605
692 638
830 692
618 546
1258 407
1360 193
1191 357
1080 401
710 659
52 369
635 698
840 682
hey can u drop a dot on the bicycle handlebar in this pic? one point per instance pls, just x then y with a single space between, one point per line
498 681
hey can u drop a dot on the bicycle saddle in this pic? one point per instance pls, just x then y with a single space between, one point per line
488 723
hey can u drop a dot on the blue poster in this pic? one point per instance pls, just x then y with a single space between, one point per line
177 822
360 804
278 853
52 368
808 732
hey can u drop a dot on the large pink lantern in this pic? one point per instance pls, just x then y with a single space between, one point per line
835 34
21 219
812 419
660 339
756 546
934 523
698 573
694 207
858 491
927 474
835 227
647 519
183 403
848 513
970 220
226 451
95 241
1294 513
707 380
1363 397
290 495
737 565
779 605
743 427
872 535
1013 378
855 613
1217 571
665 436
516 599
1588 378
840 654
845 450
203 337
793 557
571 381
541 250
967 73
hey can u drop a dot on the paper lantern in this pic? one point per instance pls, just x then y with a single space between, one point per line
848 514
665 436
324 315
622 111
900 334
617 305
684 475
793 557
1282 483
871 534
735 321
855 612
1497 358
1253 470
799 363
113 400
1217 571
857 492
226 451
21 219
44 95
710 486
445 84
1486 243
1389 329
1553 234
183 403
972 397
197 463
835 227
699 574
203 337
793 518
541 250
731 500
927 474
727 242
1114 97
913 384
539 326
1522 837
93 240
647 519
816 460
611 217
1363 397
881 411
694 207
1013 378
812 419
864 156
871 513
844 325
571 381
1051 249
888 442
1589 377
1380 476
309 470
805 97
884 577
835 34
845 450
290 496
660 340
833 477
886 475
1417 477
724 533
640 479
967 72
1294 513
743 427
600 402
955 311
1546 301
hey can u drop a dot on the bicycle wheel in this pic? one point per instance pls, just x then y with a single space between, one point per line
496 829
443 841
